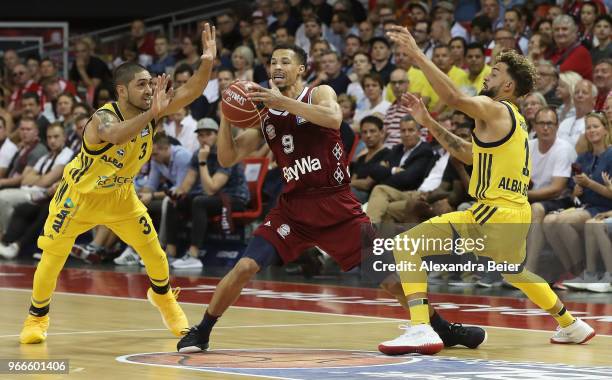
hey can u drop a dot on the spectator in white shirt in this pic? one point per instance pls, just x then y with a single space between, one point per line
570 129
7 148
551 167
182 126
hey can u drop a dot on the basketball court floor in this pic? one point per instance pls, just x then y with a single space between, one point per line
102 323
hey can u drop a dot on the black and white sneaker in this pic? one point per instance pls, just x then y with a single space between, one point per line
468 336
192 342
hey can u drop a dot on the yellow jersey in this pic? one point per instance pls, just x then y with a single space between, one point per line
501 170
103 168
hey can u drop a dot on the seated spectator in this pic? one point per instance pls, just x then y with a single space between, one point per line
169 165
540 46
283 37
513 21
603 34
565 92
23 83
547 82
207 190
445 10
478 70
570 54
361 67
442 59
388 204
88 71
144 42
284 18
7 148
422 36
242 61
181 126
189 52
457 52
352 46
399 85
311 30
37 187
562 229
265 47
598 244
30 106
380 54
405 169
363 169
551 161
63 108
332 70
48 71
531 104
341 26
417 83
164 60
602 79
74 138
30 150
570 129
373 88
347 105
199 108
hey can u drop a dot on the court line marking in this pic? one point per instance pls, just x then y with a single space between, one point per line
218 327
284 310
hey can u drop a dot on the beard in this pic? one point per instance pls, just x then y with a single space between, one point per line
490 92
141 107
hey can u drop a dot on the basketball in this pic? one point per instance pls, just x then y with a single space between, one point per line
238 109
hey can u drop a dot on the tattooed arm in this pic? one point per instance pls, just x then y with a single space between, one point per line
455 145
105 126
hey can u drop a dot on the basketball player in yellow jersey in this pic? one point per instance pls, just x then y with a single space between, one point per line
499 182
97 188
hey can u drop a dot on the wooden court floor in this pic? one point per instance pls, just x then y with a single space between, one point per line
103 324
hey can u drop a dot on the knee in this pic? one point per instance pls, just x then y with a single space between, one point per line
550 219
246 268
537 212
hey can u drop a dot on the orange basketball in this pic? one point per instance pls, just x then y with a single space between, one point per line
238 109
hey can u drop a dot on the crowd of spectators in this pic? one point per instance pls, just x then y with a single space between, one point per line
399 171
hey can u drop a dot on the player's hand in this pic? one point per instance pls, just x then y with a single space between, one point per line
416 108
603 215
209 43
203 153
271 98
162 95
607 180
401 36
145 198
583 180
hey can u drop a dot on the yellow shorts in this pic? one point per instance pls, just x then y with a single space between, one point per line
72 213
499 233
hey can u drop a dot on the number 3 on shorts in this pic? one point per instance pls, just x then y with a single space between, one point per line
145 225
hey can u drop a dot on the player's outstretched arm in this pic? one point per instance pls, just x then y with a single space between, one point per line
324 110
230 151
455 145
195 86
106 126
477 107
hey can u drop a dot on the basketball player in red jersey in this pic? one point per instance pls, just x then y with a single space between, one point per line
316 208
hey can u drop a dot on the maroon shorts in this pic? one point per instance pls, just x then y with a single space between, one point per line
331 220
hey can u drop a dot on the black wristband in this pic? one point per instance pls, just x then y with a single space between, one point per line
202 163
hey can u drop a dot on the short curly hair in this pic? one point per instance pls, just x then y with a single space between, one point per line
520 69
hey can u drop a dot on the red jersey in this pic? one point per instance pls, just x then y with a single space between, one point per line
310 156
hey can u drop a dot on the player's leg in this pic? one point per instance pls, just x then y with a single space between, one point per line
138 232
61 228
420 337
259 254
571 330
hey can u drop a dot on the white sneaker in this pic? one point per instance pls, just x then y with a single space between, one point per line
127 257
604 285
187 262
578 332
419 339
581 282
9 251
